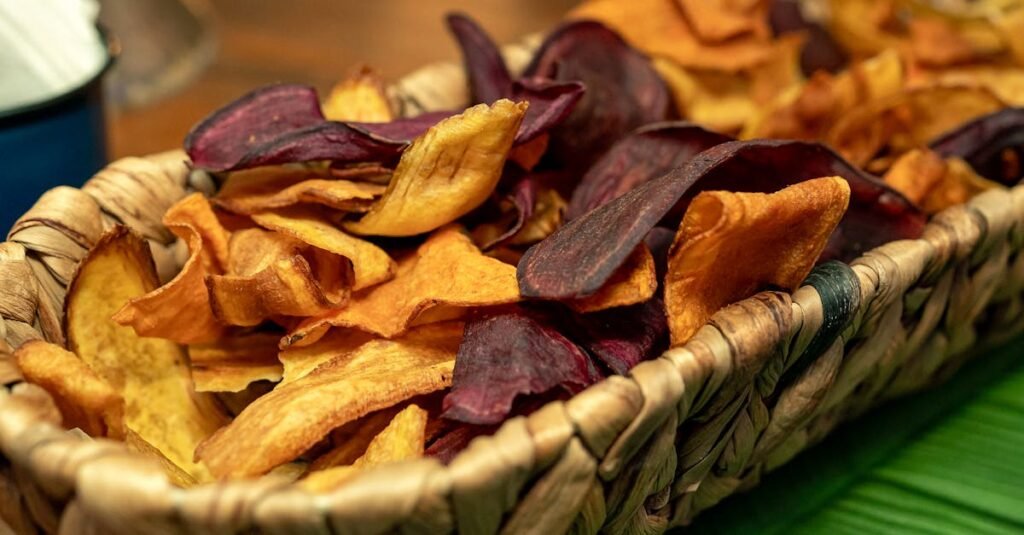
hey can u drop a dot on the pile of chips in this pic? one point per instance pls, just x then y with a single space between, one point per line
366 288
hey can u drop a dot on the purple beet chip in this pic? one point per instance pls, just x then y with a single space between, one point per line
983 142
623 337
489 79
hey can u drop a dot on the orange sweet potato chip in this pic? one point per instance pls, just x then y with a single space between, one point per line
446 172
299 361
731 245
266 188
272 275
634 282
85 400
371 264
150 374
232 363
279 426
360 98
934 184
402 439
446 270
180 310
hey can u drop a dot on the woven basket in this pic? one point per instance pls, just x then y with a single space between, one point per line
763 380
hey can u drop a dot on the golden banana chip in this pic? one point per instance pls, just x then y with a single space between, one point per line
232 363
634 282
402 439
272 275
371 264
446 172
446 270
180 310
85 400
279 426
151 374
266 188
934 184
360 98
710 263
298 361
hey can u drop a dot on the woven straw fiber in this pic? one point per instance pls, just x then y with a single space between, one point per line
763 380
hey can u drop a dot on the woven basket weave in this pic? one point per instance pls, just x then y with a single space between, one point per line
763 380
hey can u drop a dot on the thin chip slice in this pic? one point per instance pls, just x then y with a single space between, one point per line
299 361
231 364
634 282
265 188
446 172
151 374
175 475
934 184
180 310
446 270
402 439
359 98
710 263
371 264
279 426
352 439
85 400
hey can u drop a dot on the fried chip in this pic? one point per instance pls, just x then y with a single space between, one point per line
989 144
151 374
266 188
180 310
446 270
352 439
446 172
634 282
279 426
934 184
371 264
623 337
710 267
299 361
865 27
273 275
402 439
85 400
178 477
360 98
906 120
720 20
546 216
232 363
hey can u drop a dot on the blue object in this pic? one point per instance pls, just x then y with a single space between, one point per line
58 141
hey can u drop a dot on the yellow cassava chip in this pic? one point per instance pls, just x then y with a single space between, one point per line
298 361
731 245
634 282
151 374
265 188
272 275
934 184
85 400
180 310
282 424
371 264
359 98
446 172
232 363
446 270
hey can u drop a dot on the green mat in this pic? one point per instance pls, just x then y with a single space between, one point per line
949 460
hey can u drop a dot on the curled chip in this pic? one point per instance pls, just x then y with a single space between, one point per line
279 426
272 275
634 282
151 374
266 188
175 474
709 265
489 79
402 439
907 120
359 98
371 264
986 142
447 271
180 310
85 400
232 363
299 361
934 184
447 172
623 337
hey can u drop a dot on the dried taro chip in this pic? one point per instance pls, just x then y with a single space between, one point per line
623 89
623 337
579 257
508 355
643 155
983 142
489 79
279 124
